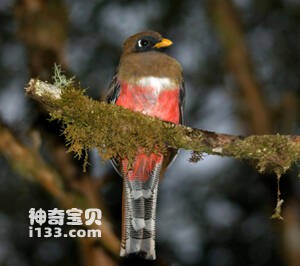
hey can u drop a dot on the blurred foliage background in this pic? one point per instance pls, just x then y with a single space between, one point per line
241 62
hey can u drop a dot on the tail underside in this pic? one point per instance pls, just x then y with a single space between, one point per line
139 208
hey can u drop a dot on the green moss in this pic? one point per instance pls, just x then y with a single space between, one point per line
270 152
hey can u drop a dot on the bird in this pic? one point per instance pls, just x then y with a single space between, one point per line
149 81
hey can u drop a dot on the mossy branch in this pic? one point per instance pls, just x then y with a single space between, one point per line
119 132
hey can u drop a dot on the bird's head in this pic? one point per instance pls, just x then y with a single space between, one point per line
142 57
144 42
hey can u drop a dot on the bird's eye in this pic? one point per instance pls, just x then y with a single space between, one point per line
143 43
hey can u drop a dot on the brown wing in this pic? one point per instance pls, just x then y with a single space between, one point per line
111 97
114 90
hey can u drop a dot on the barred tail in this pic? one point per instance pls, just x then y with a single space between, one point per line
139 215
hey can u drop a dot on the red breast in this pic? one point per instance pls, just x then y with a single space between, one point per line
159 101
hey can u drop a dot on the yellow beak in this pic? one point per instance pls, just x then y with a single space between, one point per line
163 43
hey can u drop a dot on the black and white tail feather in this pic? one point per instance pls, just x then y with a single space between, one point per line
139 215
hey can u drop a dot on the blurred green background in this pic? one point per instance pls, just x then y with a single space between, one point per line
241 62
